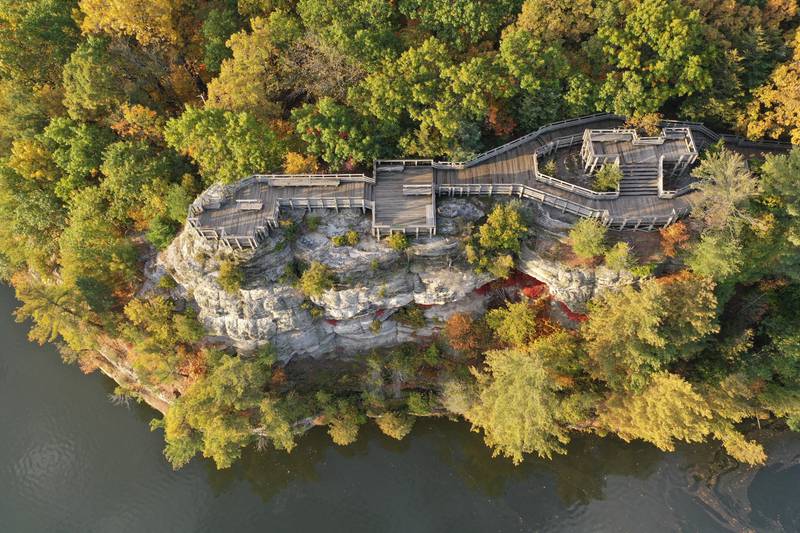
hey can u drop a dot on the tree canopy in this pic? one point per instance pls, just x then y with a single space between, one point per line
114 115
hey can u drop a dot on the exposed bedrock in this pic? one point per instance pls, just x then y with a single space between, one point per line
373 283
571 285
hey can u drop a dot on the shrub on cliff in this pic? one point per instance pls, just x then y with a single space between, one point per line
588 237
466 334
618 257
316 279
397 241
493 246
350 238
231 276
411 316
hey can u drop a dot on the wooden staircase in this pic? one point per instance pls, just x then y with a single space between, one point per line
639 179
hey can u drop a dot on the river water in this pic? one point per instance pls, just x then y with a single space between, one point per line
71 461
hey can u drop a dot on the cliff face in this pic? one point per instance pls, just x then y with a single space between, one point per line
374 283
572 286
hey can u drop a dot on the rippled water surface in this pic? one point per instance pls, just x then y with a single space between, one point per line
70 461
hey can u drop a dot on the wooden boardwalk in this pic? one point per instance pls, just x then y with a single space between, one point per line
402 193
410 211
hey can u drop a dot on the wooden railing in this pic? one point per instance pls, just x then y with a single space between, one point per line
737 140
645 223
567 142
577 189
523 191
382 230
635 139
405 162
305 178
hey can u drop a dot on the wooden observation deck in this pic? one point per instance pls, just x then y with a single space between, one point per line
401 194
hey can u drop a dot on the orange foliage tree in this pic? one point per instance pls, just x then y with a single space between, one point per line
674 238
466 334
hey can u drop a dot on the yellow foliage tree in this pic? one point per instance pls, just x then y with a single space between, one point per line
296 163
149 21
775 111
669 409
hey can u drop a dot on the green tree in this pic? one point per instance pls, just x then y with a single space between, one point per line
716 256
34 219
608 178
337 134
515 324
726 187
162 231
462 22
632 333
77 148
655 50
56 310
438 102
226 146
493 247
618 257
157 318
23 111
588 237
343 418
92 87
363 29
218 26
131 168
260 69
218 414
91 238
36 39
520 408
541 73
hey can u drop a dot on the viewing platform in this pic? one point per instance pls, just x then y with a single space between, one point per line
401 194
